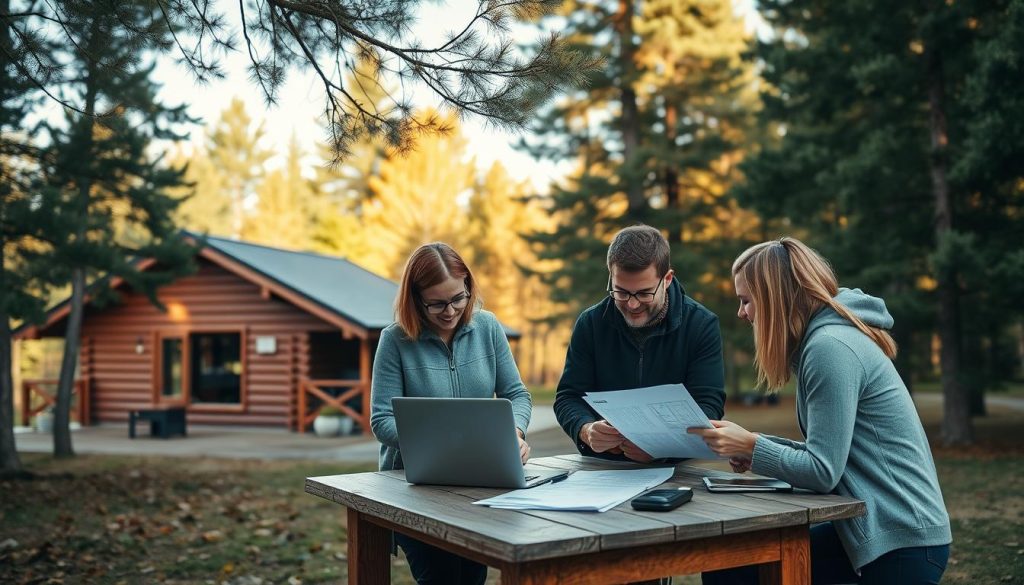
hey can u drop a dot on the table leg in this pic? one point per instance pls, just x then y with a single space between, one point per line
794 568
369 548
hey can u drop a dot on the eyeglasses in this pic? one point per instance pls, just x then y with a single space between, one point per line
623 296
459 302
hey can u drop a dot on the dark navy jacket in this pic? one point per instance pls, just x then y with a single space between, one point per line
603 355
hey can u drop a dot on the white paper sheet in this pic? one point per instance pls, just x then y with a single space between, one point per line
583 491
655 419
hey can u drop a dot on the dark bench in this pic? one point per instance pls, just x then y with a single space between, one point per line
163 421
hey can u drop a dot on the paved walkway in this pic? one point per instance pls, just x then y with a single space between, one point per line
546 438
257 443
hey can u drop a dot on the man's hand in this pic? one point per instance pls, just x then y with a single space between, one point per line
524 447
601 436
635 453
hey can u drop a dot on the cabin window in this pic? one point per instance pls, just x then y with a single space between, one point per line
216 368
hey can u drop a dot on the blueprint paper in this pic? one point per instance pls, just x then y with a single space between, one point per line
655 419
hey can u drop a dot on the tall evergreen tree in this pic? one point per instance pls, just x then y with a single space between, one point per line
867 101
419 197
674 85
284 211
23 219
100 173
235 149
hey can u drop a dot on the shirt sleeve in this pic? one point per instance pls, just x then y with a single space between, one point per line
705 378
577 379
388 382
507 381
831 381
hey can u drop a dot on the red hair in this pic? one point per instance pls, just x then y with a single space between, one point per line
429 265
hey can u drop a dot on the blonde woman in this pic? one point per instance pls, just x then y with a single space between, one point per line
862 435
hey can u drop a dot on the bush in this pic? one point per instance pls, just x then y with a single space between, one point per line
331 411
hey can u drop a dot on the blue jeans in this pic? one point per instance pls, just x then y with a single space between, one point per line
433 566
919 565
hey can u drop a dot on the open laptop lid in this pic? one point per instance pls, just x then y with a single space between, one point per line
464 442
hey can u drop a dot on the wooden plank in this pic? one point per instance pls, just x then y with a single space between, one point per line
648 562
369 547
506 535
794 566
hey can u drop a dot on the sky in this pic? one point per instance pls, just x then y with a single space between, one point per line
301 102
301 99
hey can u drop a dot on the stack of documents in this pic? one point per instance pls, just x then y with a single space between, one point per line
585 491
655 419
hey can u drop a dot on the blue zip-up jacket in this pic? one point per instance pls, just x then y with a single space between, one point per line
478 365
863 437
603 355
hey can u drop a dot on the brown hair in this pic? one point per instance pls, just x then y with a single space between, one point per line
429 265
788 283
635 248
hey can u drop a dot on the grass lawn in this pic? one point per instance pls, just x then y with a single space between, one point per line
117 519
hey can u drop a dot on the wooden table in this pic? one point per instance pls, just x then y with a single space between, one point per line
713 531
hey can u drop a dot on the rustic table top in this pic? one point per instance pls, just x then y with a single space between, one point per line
448 513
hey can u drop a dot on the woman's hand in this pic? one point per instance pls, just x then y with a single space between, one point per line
524 447
727 439
739 464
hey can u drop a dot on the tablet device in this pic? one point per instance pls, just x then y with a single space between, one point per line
746 484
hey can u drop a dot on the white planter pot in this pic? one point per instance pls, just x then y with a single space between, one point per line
326 426
345 425
44 422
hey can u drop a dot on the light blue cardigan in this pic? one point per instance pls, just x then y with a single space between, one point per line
479 365
863 437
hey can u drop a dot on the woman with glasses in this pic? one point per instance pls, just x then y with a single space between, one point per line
442 344
862 435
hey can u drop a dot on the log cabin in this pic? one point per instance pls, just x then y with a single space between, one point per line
256 336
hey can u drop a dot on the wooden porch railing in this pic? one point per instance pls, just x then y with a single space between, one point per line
41 389
316 388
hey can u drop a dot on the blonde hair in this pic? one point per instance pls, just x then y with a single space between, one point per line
788 282
429 265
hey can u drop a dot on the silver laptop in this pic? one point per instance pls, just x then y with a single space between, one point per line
463 441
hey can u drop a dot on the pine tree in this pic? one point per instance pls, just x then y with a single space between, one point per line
500 212
107 189
205 202
419 197
284 210
234 147
869 106
675 87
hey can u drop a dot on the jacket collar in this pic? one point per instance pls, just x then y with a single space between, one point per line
674 319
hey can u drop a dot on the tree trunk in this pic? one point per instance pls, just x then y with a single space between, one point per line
10 463
630 120
956 421
68 366
675 233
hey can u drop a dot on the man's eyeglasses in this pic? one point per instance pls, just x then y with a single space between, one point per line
459 302
623 296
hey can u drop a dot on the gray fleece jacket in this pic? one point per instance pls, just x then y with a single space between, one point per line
863 437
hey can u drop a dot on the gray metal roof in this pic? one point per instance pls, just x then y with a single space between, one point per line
335 283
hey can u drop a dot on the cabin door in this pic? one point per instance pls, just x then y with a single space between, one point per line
172 370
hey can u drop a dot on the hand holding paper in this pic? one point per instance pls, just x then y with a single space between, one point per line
655 419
